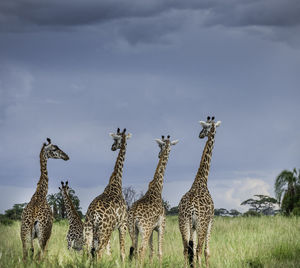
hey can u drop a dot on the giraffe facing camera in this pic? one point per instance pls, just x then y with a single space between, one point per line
162 143
75 232
117 137
207 125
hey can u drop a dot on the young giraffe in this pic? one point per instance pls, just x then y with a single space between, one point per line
36 219
196 208
148 213
75 233
108 211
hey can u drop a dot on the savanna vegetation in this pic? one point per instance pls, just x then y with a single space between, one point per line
236 242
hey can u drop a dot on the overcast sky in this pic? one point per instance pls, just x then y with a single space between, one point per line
76 70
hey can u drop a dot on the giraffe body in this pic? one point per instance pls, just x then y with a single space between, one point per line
75 232
148 214
108 211
196 207
36 220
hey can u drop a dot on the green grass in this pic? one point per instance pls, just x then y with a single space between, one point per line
236 242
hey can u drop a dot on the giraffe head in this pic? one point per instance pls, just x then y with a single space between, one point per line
207 126
118 137
64 187
53 151
164 143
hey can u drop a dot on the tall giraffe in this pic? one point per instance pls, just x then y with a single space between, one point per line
196 207
36 219
148 213
75 233
108 211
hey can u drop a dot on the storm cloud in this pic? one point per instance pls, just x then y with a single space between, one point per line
76 70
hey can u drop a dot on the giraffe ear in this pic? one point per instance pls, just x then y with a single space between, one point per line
204 124
159 142
218 123
128 136
59 188
114 136
174 142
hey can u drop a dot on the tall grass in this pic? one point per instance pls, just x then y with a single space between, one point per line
235 242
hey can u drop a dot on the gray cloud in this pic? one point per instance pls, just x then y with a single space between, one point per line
34 15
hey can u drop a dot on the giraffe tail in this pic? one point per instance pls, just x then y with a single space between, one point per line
131 253
191 253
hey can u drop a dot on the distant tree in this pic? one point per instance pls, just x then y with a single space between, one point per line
15 212
173 211
262 203
221 212
234 212
130 195
287 190
251 213
52 201
167 205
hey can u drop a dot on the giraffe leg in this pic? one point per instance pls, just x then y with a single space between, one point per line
87 237
134 235
122 234
27 241
201 232
145 234
192 248
102 235
207 239
43 231
161 232
108 248
151 247
185 234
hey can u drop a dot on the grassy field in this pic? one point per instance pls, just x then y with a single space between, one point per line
236 242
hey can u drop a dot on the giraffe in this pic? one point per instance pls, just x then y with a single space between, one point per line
148 214
108 211
196 207
36 221
75 233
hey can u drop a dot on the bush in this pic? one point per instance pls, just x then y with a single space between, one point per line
5 221
251 213
296 211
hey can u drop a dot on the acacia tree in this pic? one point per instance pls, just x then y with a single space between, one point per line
261 204
15 212
130 196
287 190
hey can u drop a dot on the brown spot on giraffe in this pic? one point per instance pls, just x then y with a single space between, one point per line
108 211
196 207
36 221
75 232
147 214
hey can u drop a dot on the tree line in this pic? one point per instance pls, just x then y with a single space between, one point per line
286 188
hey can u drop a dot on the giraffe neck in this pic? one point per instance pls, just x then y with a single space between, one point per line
203 171
42 186
71 211
115 182
156 185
